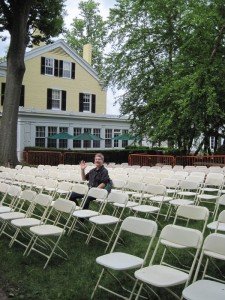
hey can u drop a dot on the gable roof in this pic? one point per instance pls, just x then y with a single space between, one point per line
58 44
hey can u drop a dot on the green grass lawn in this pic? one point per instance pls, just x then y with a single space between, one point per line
24 278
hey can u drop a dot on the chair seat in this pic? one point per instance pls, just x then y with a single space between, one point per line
12 215
205 290
44 230
214 225
161 198
5 209
104 219
119 261
181 202
128 204
146 208
210 190
26 222
187 194
85 213
207 196
161 276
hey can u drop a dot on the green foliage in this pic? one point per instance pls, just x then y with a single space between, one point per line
90 28
168 57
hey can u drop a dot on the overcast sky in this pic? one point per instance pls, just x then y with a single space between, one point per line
72 11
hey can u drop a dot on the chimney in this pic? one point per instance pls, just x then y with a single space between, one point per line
87 53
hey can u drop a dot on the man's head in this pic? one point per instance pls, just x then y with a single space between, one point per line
99 160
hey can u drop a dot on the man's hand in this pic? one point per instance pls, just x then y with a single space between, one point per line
83 165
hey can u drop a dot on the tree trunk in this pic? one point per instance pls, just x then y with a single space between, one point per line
15 71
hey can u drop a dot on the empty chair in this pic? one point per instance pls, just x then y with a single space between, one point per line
80 215
171 273
9 200
218 225
63 190
36 216
50 186
118 185
211 284
211 190
192 213
46 237
186 195
117 261
171 185
26 197
107 224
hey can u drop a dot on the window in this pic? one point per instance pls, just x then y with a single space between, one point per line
116 133
40 136
66 69
52 131
97 132
64 142
56 99
124 143
22 94
49 66
76 144
108 138
87 102
87 144
59 68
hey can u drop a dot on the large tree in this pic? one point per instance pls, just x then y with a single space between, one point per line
21 19
168 57
89 28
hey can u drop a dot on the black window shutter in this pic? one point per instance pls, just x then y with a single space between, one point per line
60 68
22 95
2 93
56 67
49 98
93 103
42 65
81 102
73 70
63 106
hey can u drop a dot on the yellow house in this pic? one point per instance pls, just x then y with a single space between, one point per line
61 92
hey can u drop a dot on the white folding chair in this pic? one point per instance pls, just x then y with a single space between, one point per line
186 195
84 214
104 223
63 190
211 285
218 225
36 216
45 238
126 261
192 213
211 191
176 242
25 199
9 200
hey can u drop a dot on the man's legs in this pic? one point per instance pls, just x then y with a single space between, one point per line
87 202
74 196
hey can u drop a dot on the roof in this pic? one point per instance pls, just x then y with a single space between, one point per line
57 44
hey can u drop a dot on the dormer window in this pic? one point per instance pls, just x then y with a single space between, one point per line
58 68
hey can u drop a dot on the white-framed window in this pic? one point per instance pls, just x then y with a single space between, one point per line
108 138
87 144
87 102
49 66
52 131
66 69
56 99
97 132
116 133
63 143
40 136
76 143
124 143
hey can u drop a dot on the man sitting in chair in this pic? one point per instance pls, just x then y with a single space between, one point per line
97 177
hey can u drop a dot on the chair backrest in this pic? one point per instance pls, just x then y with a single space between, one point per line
28 195
118 197
181 236
189 185
139 226
80 188
119 184
214 179
170 182
43 199
192 212
4 187
97 193
64 205
155 189
213 247
151 180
